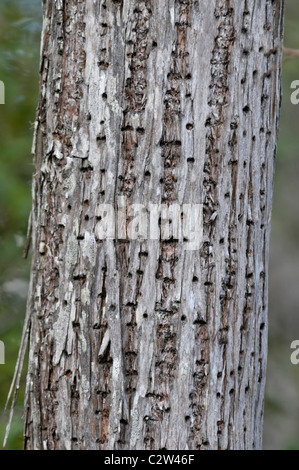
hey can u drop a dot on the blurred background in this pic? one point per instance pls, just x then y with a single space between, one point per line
20 26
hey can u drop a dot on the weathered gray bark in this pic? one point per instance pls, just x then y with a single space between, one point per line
144 345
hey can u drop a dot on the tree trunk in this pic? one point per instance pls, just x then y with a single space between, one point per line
144 344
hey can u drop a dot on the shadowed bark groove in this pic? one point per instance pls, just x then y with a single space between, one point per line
142 344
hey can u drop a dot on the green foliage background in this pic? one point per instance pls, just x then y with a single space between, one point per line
20 26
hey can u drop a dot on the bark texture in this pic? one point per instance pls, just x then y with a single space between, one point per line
143 345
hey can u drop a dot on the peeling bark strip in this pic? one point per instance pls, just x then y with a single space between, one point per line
142 345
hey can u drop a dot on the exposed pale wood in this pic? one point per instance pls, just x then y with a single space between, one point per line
142 345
